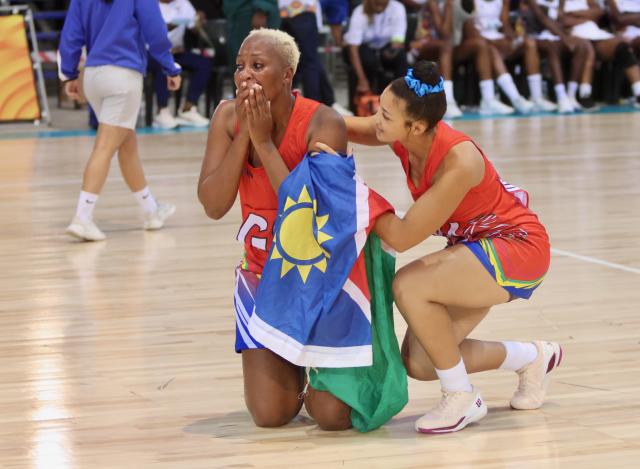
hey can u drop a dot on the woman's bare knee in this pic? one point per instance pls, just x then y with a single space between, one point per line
329 412
270 415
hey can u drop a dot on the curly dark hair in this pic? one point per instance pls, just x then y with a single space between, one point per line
430 107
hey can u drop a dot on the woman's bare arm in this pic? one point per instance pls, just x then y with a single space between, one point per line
463 169
224 158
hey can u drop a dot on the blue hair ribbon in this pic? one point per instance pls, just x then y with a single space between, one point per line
420 88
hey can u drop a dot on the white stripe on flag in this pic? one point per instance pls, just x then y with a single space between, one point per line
362 213
308 355
356 295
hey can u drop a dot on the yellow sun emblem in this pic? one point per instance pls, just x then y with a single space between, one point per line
295 242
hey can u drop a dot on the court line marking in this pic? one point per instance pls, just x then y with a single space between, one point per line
593 260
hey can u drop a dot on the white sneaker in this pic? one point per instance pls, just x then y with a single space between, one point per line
494 106
192 118
544 105
165 120
155 220
340 109
534 378
455 411
523 105
565 106
453 111
85 230
575 104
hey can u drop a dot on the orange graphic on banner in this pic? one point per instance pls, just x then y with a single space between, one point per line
18 96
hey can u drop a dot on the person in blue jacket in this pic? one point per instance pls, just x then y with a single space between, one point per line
117 35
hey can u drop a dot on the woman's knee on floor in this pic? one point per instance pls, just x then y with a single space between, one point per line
329 412
269 413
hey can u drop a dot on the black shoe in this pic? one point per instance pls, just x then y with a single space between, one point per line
587 103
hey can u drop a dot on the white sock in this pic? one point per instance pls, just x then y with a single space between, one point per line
585 90
635 87
448 91
535 86
506 84
146 200
572 88
487 90
86 204
455 379
561 92
519 354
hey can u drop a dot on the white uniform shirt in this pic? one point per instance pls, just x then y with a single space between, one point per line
181 14
388 26
487 18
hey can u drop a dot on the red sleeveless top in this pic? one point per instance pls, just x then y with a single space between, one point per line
492 209
258 200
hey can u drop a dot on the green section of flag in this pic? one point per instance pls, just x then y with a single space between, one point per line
375 393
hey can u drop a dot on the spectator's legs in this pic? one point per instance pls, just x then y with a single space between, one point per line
370 64
304 30
621 52
159 83
499 49
200 68
394 60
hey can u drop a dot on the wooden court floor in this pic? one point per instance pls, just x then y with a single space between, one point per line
120 354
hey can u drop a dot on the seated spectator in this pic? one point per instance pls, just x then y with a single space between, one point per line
336 13
580 17
625 15
180 15
245 15
441 34
540 19
375 41
300 20
492 21
414 6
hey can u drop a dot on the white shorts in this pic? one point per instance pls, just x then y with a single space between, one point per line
591 31
115 94
631 32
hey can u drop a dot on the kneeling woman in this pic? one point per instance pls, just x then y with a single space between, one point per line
254 142
497 251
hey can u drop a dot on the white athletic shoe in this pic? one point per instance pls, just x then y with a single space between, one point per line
544 105
534 378
523 105
155 220
496 107
453 111
455 411
85 230
165 120
565 106
340 109
576 105
192 118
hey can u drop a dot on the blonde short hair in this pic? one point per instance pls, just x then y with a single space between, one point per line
284 43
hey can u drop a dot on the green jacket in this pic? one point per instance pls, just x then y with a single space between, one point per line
233 8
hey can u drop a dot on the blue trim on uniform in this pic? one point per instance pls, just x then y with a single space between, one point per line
481 255
244 302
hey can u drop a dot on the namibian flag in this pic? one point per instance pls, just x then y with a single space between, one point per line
313 301
324 300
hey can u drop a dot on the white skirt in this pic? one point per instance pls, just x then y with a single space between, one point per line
590 30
